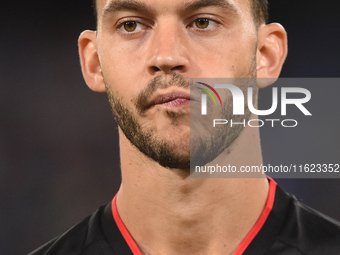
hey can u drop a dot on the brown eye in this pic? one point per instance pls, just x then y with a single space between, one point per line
130 26
202 23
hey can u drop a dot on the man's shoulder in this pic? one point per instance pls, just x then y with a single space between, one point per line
309 231
295 229
83 238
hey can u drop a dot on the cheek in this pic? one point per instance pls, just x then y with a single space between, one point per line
226 62
119 63
121 73
230 55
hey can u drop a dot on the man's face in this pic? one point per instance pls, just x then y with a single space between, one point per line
149 49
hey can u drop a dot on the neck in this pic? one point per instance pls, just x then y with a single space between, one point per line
167 212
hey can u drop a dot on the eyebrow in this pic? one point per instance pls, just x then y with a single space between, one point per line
124 5
135 5
195 5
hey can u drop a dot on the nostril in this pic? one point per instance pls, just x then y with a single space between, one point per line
166 68
155 69
178 67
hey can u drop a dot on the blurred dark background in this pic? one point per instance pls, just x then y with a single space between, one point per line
58 140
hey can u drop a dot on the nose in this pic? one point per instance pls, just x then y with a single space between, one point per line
167 50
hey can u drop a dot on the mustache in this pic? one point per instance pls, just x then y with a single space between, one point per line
159 82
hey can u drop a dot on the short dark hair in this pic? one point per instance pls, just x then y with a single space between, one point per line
260 10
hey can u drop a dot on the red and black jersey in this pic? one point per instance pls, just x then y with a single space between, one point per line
285 227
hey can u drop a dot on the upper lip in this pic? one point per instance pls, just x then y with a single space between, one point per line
161 98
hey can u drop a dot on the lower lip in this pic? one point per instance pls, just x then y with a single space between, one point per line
179 102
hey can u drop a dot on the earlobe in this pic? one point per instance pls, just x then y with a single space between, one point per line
89 60
271 52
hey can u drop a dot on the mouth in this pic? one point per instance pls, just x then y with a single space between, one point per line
175 99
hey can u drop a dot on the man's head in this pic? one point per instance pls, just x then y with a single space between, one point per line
144 53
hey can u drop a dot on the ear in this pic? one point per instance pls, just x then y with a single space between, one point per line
271 52
89 60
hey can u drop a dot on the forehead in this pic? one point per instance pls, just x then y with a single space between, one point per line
165 6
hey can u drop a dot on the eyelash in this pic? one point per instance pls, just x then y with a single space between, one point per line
209 19
119 25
